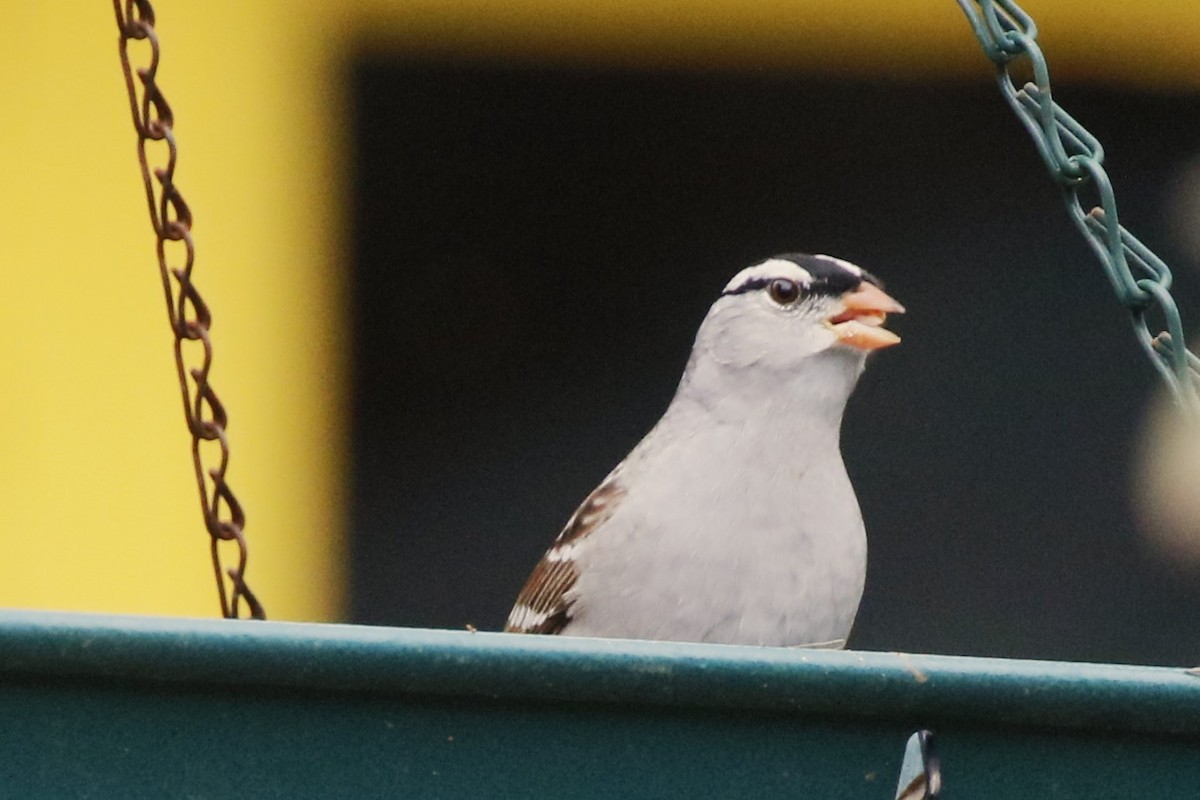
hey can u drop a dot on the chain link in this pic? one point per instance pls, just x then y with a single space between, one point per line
189 316
1075 159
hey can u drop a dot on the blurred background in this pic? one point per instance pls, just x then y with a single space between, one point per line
456 251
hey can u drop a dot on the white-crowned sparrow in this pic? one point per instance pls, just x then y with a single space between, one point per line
733 520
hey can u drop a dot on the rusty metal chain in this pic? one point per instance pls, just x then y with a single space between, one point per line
189 316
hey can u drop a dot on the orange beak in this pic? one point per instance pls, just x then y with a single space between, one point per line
861 323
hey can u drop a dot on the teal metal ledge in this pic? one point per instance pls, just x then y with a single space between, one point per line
146 707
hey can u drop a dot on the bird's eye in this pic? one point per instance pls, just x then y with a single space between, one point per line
783 291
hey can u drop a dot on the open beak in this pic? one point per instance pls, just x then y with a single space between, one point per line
861 323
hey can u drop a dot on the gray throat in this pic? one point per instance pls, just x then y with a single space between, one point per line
804 405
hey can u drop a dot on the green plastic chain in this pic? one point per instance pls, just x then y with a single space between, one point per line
1075 159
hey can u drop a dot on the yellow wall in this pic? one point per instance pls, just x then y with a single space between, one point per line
97 505
97 501
1150 44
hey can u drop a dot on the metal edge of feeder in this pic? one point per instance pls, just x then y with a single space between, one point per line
327 657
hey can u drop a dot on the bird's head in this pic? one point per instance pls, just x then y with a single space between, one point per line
791 309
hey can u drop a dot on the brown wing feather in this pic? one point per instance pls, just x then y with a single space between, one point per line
542 606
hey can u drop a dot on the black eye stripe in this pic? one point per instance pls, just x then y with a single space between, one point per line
752 285
820 286
837 278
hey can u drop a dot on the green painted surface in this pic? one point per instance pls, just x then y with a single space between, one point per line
137 707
